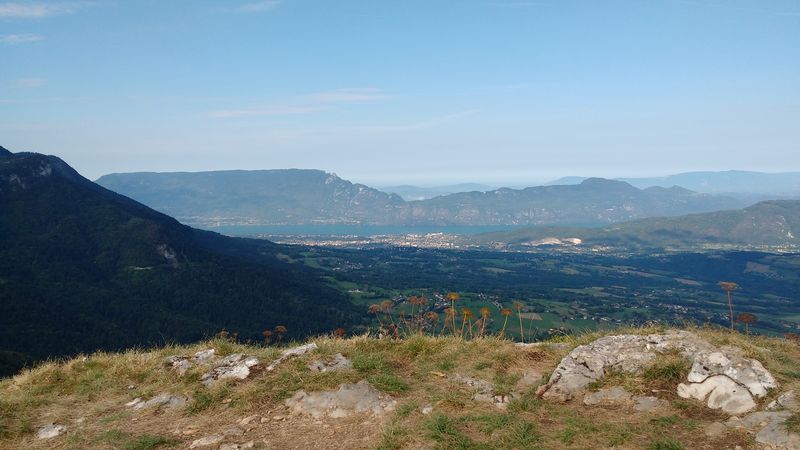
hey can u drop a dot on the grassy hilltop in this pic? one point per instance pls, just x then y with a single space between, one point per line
88 394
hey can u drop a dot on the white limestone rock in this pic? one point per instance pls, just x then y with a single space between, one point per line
720 376
50 431
161 400
349 399
291 353
234 366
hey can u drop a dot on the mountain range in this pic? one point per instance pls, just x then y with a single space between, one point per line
83 268
410 193
281 197
730 182
773 223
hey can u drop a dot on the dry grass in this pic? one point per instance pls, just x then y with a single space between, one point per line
88 395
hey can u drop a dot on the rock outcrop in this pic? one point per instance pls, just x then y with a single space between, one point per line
349 399
338 363
291 353
236 366
719 376
161 400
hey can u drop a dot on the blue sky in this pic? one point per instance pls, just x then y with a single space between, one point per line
385 92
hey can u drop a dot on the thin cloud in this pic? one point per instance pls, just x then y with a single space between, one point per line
267 111
258 7
429 123
306 104
14 39
349 95
29 83
39 10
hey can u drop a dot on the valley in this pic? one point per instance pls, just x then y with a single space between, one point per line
571 292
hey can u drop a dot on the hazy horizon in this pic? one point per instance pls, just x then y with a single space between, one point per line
421 93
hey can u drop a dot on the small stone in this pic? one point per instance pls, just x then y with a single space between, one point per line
716 429
134 402
165 399
229 447
264 419
614 395
647 404
234 431
290 353
204 356
277 418
226 401
247 420
427 409
131 387
207 441
787 400
50 431
248 444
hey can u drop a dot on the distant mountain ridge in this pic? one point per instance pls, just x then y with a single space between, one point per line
722 182
84 268
279 197
411 193
773 223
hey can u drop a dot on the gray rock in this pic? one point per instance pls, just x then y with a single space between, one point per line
161 400
720 376
611 396
291 353
776 435
179 363
756 421
207 441
349 399
647 404
427 409
716 429
787 400
339 363
204 356
234 366
50 431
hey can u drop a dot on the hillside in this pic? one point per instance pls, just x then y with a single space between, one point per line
256 197
278 197
766 224
365 393
83 268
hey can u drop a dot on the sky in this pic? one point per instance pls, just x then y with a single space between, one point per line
405 92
